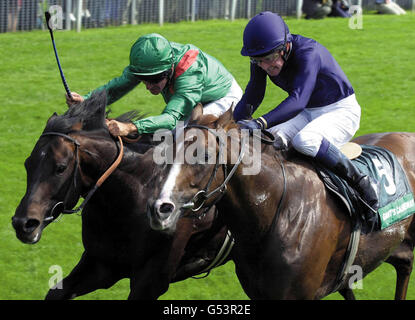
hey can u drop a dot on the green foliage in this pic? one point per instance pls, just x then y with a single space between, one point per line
377 59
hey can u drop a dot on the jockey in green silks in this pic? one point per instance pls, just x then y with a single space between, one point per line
183 74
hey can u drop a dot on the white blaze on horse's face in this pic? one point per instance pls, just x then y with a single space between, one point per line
204 155
170 183
163 216
185 174
175 170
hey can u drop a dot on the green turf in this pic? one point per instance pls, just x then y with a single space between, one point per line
377 59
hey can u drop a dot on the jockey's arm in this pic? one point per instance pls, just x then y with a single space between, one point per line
178 108
302 88
187 93
254 94
118 87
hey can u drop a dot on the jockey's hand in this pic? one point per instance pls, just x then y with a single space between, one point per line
122 129
76 98
251 125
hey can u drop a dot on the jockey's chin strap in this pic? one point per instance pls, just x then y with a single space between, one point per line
61 204
198 200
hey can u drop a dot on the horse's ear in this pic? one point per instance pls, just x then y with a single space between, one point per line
197 113
225 118
54 115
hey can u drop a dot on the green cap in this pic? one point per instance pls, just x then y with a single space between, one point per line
151 54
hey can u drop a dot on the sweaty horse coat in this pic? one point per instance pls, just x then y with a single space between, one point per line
291 248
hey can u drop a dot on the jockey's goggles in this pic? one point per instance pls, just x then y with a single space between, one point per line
268 58
155 78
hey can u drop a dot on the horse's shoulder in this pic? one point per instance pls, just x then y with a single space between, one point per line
296 160
296 165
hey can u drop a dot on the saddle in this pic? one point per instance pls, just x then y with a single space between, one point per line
396 201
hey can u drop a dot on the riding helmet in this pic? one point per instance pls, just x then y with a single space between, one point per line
151 54
265 32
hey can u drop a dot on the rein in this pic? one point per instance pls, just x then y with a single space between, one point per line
100 181
199 199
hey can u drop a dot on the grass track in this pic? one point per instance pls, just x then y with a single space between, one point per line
377 59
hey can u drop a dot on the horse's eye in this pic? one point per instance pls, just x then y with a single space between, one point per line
60 169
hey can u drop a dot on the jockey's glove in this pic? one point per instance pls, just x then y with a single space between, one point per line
251 125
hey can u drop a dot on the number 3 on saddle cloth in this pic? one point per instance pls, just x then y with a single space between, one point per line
396 201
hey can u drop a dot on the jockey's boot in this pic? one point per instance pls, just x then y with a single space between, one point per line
332 158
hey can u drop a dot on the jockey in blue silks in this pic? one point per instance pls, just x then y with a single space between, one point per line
321 112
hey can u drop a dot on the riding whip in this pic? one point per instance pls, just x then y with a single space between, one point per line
47 16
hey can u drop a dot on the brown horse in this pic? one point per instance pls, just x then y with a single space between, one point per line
290 233
70 156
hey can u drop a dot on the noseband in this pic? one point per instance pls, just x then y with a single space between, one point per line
52 216
199 199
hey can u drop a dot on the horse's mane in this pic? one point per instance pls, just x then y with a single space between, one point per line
88 115
211 120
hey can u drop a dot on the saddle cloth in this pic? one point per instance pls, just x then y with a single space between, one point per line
396 201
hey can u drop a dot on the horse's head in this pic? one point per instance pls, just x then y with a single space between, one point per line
54 178
194 179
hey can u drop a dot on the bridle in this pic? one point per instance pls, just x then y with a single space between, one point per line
53 216
204 195
199 199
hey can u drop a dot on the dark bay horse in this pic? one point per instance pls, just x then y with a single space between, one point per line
70 156
290 233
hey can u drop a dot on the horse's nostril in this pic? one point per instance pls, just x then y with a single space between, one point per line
25 225
166 208
31 225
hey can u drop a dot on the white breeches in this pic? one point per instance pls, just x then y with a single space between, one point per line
337 122
220 106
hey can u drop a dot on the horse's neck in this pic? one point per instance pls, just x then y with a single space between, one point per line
251 197
101 151
256 199
98 153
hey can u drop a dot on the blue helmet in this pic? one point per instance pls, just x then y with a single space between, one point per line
264 33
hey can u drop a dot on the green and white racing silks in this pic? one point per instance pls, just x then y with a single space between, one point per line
198 77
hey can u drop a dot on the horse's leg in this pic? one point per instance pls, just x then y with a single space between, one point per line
88 275
402 259
154 279
347 294
150 281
